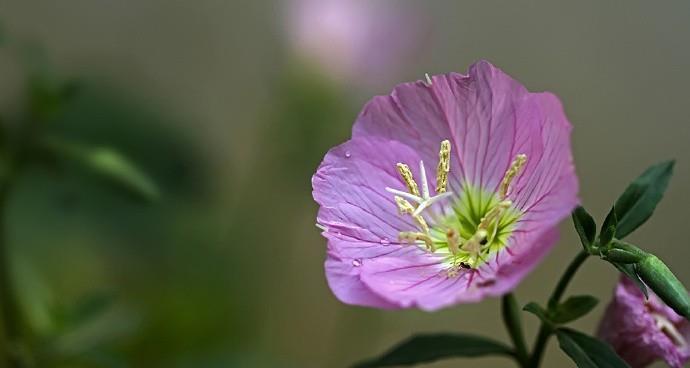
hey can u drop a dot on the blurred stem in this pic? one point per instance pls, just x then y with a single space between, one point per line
11 315
545 331
511 318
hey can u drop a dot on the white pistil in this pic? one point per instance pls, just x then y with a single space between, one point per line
428 202
425 184
663 324
407 195
429 82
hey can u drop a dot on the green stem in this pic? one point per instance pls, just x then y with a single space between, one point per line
11 316
511 318
545 331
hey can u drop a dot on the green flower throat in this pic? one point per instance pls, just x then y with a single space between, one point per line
474 225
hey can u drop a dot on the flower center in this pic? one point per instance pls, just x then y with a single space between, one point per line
467 227
670 330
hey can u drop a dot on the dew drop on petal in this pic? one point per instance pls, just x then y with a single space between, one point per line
384 241
356 262
348 154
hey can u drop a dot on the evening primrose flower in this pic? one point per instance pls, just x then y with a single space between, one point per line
644 330
449 191
368 41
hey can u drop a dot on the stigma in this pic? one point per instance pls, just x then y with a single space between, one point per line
465 247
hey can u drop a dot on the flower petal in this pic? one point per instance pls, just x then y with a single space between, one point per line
350 185
422 281
343 279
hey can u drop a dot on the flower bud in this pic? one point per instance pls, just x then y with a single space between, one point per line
644 330
659 278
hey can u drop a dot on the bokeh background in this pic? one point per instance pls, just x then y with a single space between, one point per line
229 106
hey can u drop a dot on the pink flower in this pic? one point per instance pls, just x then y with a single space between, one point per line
642 331
349 39
490 176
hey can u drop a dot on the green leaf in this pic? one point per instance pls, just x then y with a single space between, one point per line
609 228
109 164
574 308
629 271
587 351
585 226
430 348
538 311
638 201
117 168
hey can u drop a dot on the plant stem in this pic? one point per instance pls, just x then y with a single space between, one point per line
511 317
545 330
11 316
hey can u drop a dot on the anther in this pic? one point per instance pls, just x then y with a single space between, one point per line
443 167
515 167
453 240
494 214
406 175
404 206
411 236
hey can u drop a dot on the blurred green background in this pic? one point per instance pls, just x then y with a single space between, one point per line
229 107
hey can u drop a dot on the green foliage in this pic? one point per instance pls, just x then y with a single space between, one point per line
640 198
109 165
587 351
585 226
430 348
632 209
574 308
538 311
608 229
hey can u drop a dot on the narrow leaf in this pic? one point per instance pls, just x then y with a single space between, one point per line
638 201
585 226
538 311
609 228
574 308
429 348
587 351
117 168
107 163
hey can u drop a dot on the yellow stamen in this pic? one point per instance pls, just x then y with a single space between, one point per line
411 236
443 167
515 167
453 240
406 175
422 223
474 246
494 214
405 207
